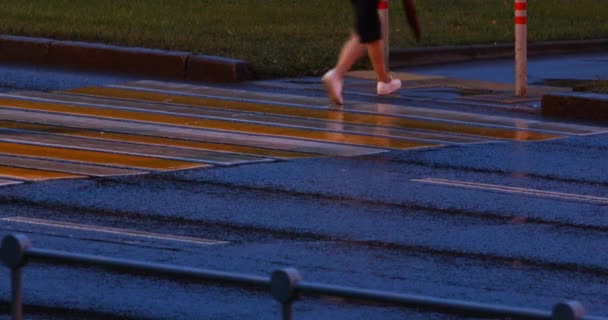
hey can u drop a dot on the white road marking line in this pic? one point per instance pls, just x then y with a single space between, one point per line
516 190
228 99
132 233
4 182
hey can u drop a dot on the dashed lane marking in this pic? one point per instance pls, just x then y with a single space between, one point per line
110 230
8 182
515 190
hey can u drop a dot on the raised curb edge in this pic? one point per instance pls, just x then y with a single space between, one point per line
133 60
584 106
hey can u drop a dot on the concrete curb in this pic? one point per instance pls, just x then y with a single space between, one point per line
576 105
91 56
210 68
16 49
450 54
108 58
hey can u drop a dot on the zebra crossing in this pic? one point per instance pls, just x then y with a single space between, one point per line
152 126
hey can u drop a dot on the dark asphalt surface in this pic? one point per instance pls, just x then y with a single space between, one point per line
366 221
40 78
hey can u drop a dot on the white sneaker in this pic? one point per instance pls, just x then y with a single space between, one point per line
333 86
388 88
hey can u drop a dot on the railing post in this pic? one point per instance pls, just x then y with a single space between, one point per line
521 48
568 310
383 13
282 288
12 253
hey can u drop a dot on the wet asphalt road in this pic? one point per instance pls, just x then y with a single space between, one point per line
516 223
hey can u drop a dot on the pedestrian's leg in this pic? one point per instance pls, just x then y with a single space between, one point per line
334 78
386 84
369 30
352 50
375 50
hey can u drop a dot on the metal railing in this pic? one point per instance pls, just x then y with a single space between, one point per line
285 286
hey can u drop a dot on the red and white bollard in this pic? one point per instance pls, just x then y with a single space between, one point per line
521 48
384 22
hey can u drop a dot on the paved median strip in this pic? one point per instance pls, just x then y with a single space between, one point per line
515 190
110 230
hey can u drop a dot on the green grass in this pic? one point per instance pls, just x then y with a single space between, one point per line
288 37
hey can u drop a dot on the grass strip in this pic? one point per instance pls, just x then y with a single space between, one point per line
288 37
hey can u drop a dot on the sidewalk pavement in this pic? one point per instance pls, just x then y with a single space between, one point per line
492 81
477 68
542 71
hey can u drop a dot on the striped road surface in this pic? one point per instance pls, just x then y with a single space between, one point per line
151 126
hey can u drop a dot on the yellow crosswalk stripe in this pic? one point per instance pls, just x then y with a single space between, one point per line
225 125
186 133
344 115
389 109
33 174
66 167
95 157
199 145
267 119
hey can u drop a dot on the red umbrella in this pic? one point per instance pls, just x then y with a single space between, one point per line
412 18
